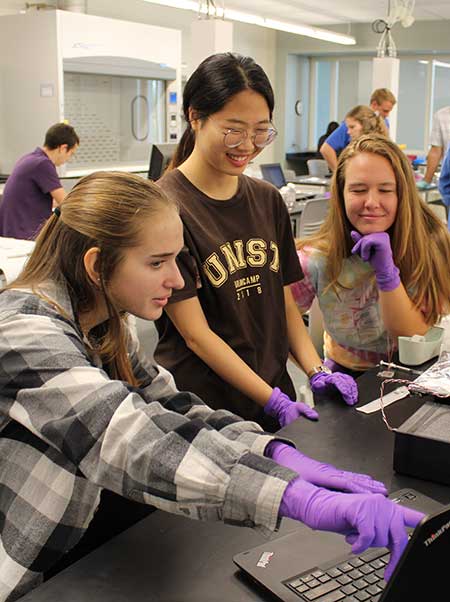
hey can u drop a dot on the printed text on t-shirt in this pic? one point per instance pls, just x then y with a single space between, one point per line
237 256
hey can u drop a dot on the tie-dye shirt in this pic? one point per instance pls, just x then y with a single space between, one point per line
354 335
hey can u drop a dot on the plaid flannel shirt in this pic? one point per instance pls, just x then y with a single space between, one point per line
68 431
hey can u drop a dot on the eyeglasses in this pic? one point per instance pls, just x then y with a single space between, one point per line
233 137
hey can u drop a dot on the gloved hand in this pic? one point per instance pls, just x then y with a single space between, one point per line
344 383
376 249
285 410
365 520
423 185
318 473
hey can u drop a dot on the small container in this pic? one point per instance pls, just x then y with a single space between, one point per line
288 194
416 350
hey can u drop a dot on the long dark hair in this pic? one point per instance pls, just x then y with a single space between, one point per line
215 81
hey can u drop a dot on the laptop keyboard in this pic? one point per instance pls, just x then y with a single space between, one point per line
356 579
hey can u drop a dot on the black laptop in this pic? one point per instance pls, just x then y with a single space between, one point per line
315 566
273 173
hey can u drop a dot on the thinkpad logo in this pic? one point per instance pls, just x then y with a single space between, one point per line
266 557
437 534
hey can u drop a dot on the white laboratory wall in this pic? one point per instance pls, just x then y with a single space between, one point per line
365 88
209 36
260 43
347 94
412 98
354 84
296 110
30 83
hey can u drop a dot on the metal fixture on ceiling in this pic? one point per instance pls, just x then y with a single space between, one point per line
210 9
401 12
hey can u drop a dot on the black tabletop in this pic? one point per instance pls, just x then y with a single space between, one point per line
167 558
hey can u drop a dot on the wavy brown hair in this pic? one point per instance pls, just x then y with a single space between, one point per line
104 210
420 241
370 121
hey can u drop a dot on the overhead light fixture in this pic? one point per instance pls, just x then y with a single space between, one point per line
242 17
400 11
437 63
311 32
441 64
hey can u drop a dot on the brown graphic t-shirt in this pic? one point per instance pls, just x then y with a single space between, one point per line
239 255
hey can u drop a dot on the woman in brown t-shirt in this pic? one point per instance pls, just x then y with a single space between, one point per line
227 334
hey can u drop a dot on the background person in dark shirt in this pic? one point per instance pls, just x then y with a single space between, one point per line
333 125
34 185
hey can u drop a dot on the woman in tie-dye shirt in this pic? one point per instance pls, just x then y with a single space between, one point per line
394 280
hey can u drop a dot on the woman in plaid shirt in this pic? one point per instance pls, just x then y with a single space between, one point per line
82 411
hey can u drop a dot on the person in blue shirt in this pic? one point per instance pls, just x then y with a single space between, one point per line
444 184
382 101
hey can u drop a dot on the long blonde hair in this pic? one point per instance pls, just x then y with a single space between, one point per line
371 122
420 241
104 210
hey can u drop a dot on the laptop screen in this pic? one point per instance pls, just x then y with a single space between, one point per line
273 173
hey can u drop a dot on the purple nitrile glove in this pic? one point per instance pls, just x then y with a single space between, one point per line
323 475
376 249
344 383
366 520
285 410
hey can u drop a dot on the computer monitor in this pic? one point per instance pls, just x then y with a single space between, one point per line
273 173
160 156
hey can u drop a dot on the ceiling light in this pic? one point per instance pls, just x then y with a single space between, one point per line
234 15
185 4
436 63
441 64
311 32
